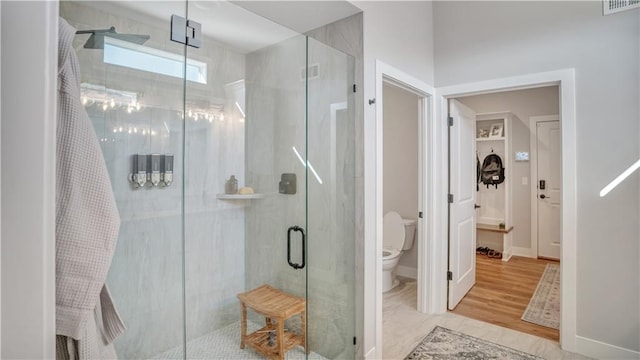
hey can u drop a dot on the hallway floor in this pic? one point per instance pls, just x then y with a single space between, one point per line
404 327
503 291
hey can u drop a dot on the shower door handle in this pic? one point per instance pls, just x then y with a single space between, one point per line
292 264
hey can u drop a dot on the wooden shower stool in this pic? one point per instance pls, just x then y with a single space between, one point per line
276 306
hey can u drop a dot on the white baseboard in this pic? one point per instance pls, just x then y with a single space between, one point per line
408 272
506 256
599 350
371 354
520 251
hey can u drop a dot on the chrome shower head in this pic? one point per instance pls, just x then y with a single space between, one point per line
96 40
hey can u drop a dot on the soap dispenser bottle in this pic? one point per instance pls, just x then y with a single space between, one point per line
231 186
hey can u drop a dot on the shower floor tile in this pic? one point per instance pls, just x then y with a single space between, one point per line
225 344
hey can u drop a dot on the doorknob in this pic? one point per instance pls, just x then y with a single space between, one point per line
476 206
543 196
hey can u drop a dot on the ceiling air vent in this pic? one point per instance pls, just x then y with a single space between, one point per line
614 6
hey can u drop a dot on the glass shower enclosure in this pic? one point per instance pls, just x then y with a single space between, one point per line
256 101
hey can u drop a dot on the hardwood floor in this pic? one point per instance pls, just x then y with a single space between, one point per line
502 293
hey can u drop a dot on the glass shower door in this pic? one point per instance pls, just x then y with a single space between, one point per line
132 89
245 120
276 113
331 201
276 144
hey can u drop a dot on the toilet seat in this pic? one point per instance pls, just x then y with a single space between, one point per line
389 254
393 231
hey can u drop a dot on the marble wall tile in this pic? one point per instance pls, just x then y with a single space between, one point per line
275 121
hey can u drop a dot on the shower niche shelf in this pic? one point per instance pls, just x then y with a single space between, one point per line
239 197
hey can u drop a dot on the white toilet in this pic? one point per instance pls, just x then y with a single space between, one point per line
397 236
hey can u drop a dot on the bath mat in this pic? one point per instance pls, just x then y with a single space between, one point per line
442 343
544 306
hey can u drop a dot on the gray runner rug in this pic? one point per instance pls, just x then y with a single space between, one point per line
544 306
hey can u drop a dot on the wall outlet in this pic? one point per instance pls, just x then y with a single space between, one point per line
525 180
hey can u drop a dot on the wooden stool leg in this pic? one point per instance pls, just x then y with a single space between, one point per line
243 324
303 335
280 338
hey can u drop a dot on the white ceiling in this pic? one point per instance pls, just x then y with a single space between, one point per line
248 25
302 15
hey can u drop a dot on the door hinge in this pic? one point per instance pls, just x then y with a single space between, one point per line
420 214
354 87
450 120
449 275
185 31
354 340
450 198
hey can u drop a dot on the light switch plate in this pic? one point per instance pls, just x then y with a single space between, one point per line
522 156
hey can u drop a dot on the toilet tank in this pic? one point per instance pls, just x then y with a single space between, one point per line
409 233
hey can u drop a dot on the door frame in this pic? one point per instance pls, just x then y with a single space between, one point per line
427 159
28 222
437 252
533 138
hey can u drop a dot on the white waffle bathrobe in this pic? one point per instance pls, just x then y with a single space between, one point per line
87 223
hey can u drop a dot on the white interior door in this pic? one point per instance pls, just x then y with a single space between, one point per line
462 224
549 188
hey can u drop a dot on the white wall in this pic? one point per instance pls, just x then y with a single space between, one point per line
524 104
477 41
400 160
0 187
28 172
399 34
